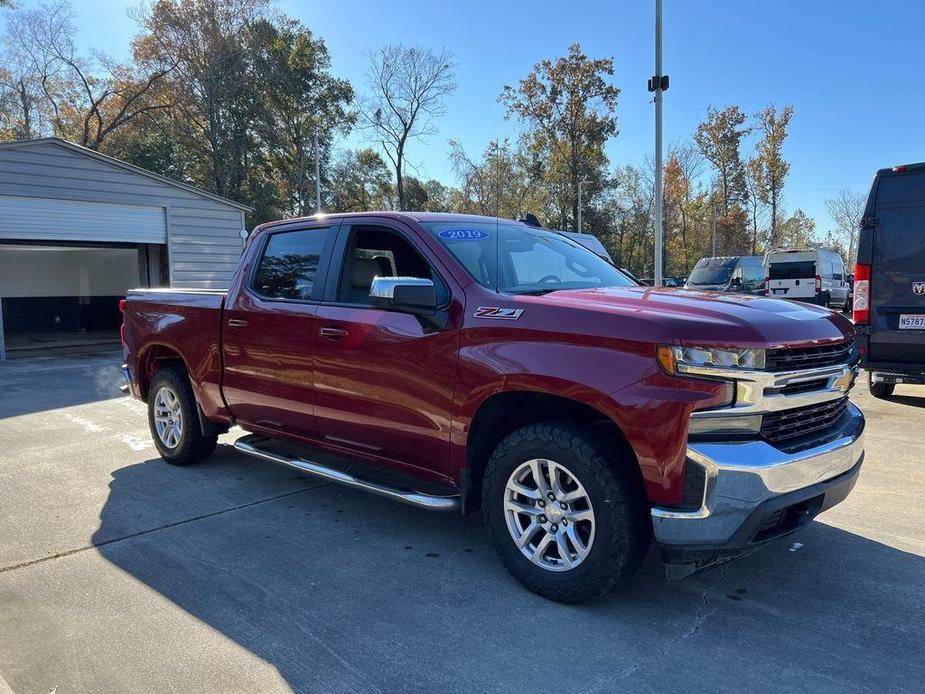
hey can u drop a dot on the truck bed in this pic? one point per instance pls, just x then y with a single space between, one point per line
177 324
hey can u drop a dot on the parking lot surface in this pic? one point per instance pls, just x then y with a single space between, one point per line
119 573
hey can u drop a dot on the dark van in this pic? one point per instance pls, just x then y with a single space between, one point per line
741 274
889 280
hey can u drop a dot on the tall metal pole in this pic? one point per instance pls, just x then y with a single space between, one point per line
317 178
579 206
713 225
659 191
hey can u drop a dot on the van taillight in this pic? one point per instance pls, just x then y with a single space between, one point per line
818 283
862 293
121 306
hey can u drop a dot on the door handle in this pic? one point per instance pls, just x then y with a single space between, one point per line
333 333
237 323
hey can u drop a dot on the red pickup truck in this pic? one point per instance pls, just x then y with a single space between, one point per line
489 364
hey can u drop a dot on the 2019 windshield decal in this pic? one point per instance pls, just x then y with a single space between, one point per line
498 313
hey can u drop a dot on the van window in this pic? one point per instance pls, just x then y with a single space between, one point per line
901 190
792 270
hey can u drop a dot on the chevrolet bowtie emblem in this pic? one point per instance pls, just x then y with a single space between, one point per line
844 382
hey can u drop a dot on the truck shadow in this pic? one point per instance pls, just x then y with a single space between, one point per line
342 591
910 400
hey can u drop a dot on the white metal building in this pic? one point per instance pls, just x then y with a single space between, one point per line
79 228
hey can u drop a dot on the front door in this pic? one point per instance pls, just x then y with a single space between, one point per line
383 379
268 328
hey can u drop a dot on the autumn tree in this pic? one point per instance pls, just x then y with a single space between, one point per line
360 181
300 99
846 210
798 231
755 186
88 98
719 138
408 87
569 106
771 167
500 183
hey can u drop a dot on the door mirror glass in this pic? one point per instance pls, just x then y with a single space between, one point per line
408 294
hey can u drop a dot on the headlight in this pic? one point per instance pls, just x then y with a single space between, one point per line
674 358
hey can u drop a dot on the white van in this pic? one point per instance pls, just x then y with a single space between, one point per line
808 274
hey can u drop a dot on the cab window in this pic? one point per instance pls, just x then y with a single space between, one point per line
289 264
380 252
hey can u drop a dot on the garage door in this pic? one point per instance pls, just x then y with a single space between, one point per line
47 219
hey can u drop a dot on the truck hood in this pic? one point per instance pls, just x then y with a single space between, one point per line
693 317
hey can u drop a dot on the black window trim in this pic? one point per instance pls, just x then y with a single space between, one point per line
324 260
338 264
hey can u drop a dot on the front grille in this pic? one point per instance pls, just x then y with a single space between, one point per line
798 388
787 359
786 425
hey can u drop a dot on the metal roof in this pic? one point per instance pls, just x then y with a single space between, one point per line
112 161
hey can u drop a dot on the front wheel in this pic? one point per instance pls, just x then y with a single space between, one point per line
174 419
568 520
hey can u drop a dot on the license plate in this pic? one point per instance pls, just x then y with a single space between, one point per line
912 321
779 291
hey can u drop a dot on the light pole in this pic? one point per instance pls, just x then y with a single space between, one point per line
580 184
317 177
658 84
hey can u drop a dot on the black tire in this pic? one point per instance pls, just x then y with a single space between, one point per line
879 390
824 299
192 446
623 526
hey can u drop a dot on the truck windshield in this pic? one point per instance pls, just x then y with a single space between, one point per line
518 259
712 271
793 270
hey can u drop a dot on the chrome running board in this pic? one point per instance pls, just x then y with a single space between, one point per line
248 445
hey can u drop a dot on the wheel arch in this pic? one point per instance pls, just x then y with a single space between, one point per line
506 411
154 357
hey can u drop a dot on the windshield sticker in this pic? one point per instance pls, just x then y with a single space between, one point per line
463 234
498 313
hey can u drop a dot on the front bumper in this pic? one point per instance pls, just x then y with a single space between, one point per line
754 492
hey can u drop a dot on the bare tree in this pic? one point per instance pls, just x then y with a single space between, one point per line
409 85
846 210
88 98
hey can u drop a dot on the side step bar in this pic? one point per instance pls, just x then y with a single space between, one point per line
249 445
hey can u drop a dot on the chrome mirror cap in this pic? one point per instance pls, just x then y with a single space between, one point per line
384 287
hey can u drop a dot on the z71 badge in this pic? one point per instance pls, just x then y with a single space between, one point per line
497 313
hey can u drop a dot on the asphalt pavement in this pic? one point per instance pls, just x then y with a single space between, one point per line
119 573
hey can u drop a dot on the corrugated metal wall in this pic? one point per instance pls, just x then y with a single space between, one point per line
203 234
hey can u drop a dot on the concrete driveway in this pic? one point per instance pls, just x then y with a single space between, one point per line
119 573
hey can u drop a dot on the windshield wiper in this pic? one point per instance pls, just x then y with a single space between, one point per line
536 292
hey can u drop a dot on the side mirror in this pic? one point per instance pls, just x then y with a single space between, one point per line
407 294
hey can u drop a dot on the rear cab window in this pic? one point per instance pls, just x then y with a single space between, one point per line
288 265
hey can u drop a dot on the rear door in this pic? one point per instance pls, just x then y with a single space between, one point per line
268 329
792 275
898 270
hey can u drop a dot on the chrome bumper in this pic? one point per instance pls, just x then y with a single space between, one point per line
744 476
127 376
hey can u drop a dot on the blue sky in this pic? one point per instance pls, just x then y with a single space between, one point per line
853 70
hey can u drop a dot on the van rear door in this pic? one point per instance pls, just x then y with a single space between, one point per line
896 251
792 275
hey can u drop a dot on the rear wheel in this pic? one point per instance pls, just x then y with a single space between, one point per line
567 520
174 419
879 389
